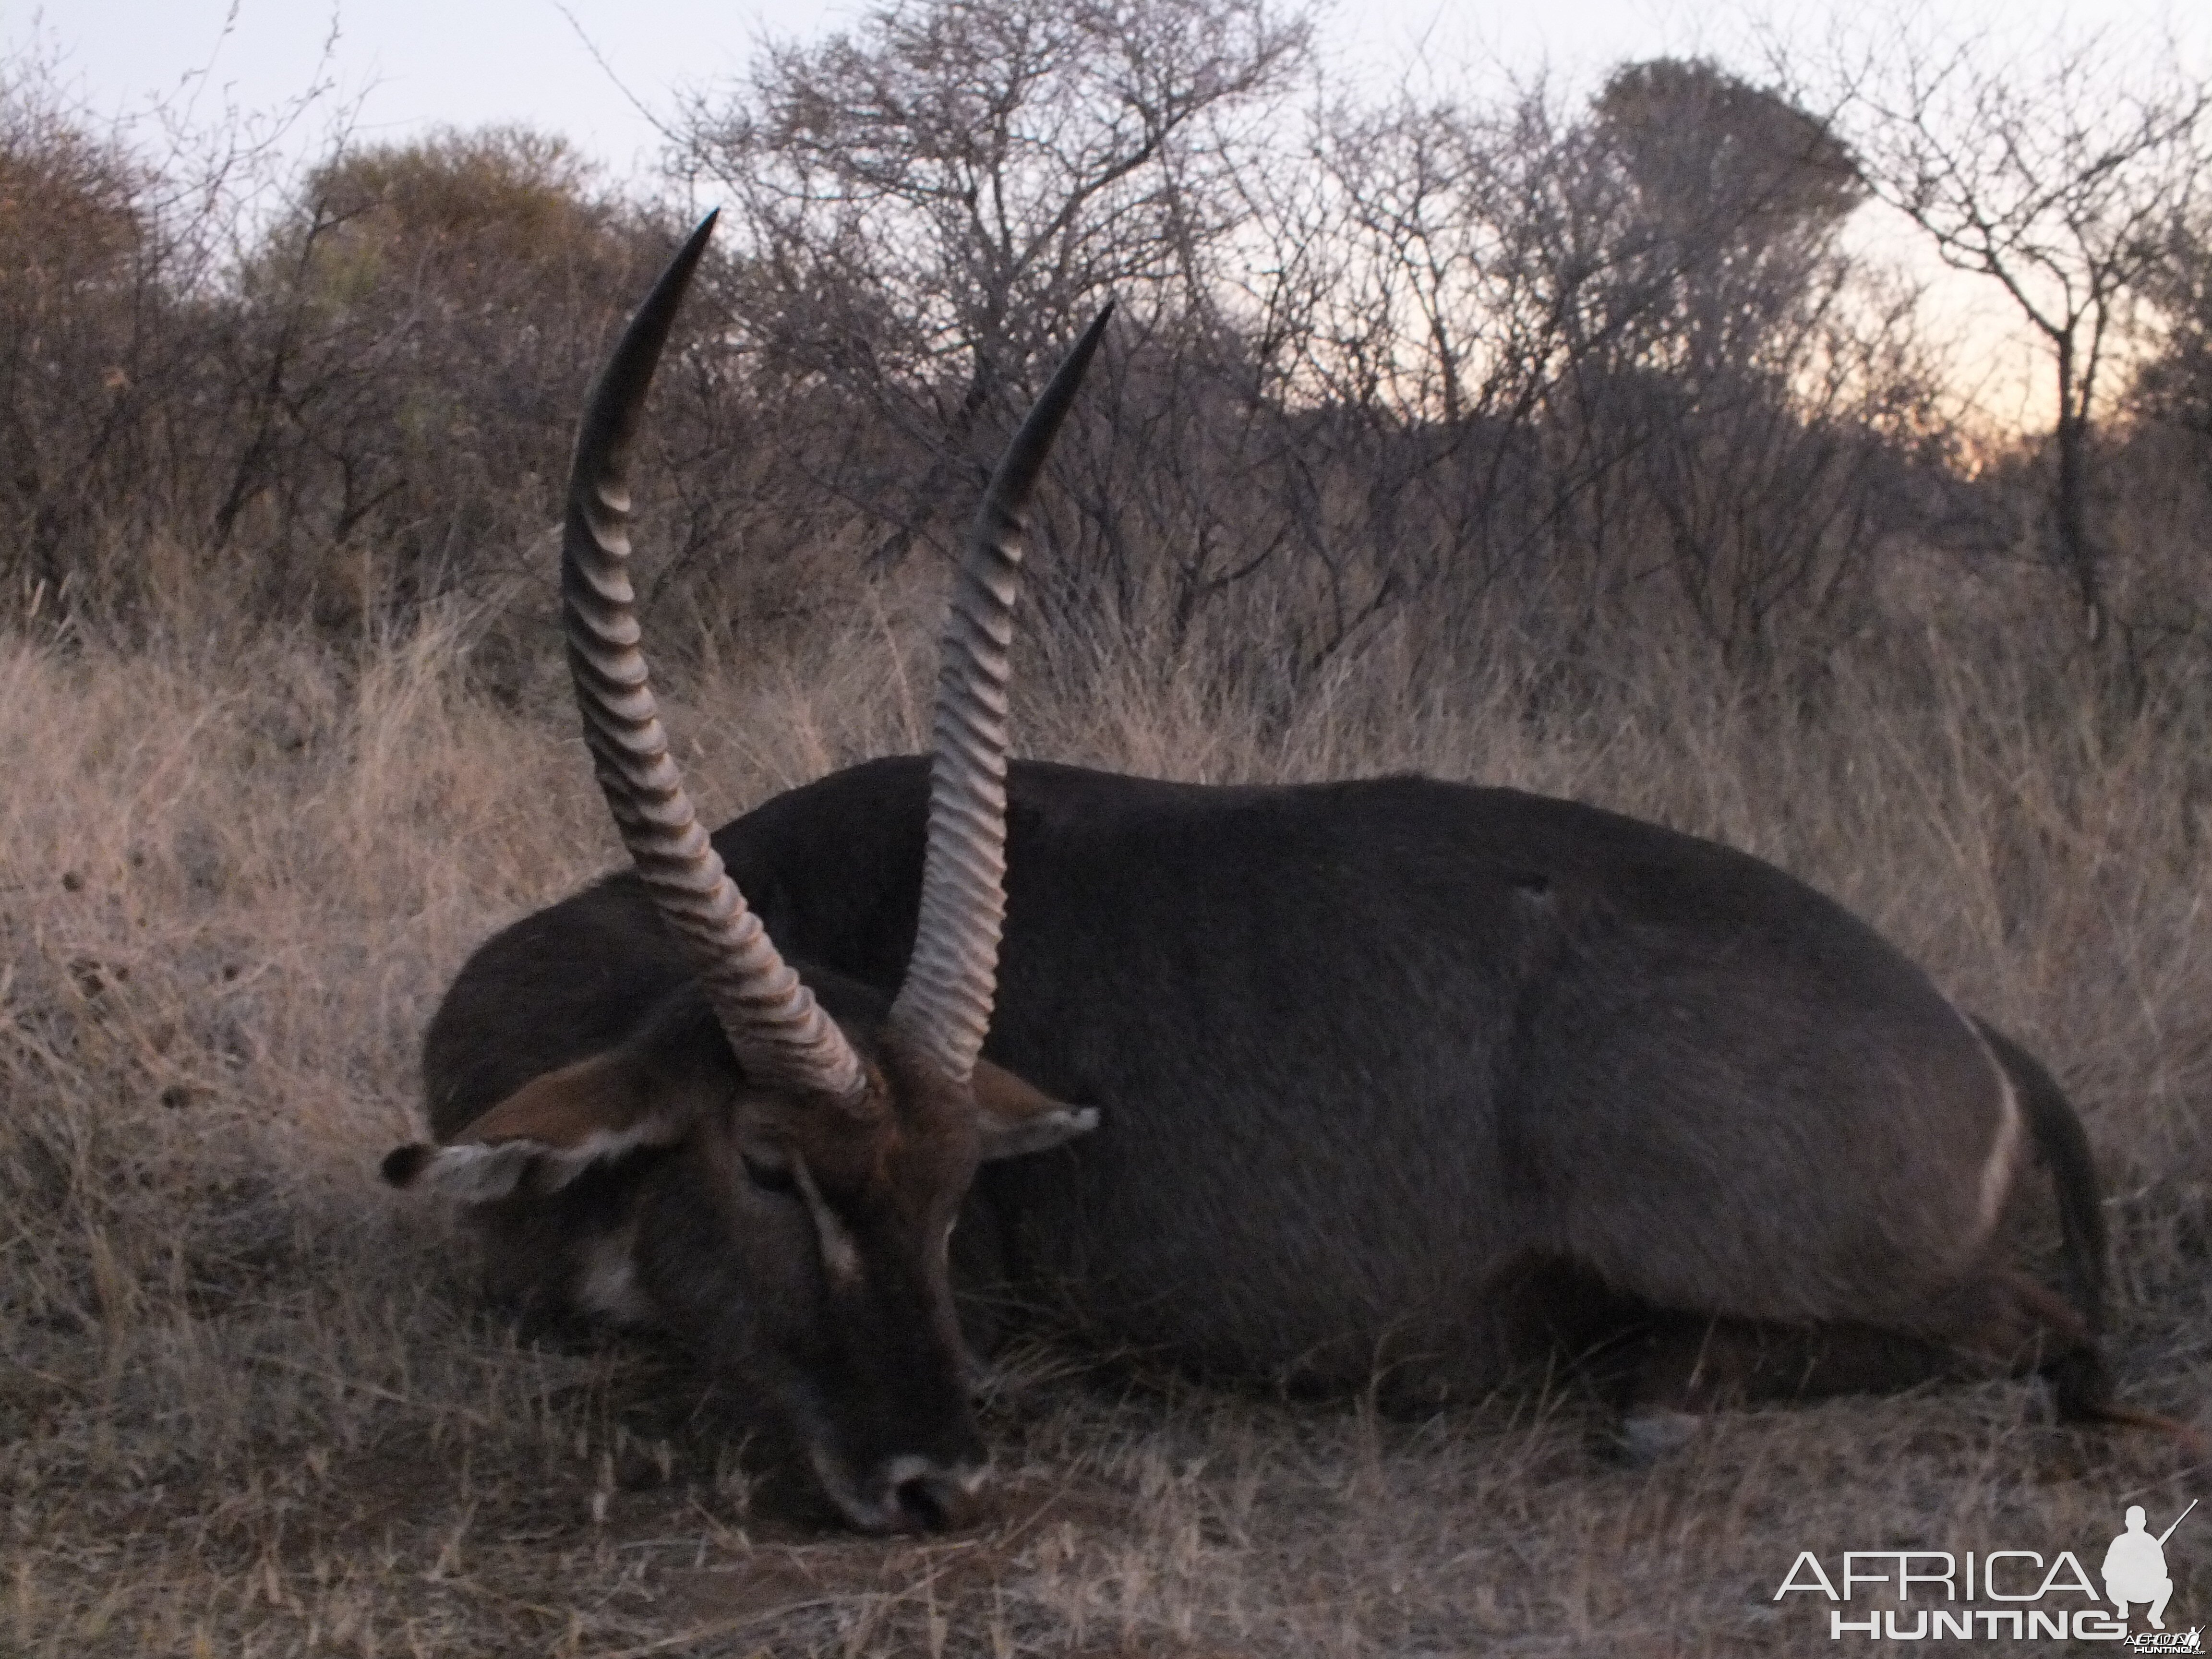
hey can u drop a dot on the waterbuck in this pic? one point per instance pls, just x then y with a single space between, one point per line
1393 1080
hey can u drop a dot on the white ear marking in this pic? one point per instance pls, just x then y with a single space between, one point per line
472 1172
476 1174
840 1257
1037 1133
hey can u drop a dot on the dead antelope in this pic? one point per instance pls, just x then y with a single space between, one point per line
1393 1074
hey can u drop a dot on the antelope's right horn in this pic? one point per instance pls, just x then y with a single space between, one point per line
778 1032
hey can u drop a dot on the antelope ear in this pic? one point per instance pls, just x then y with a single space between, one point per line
1015 1118
552 1129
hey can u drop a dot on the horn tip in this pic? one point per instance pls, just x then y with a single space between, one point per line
700 232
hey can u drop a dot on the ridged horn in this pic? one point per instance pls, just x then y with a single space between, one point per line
779 1034
944 1006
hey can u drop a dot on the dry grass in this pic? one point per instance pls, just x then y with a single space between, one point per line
246 1403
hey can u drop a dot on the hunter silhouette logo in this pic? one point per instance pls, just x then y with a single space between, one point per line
2135 1567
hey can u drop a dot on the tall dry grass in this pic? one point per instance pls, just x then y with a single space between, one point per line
247 1403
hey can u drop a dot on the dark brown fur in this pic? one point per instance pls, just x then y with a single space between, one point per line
1361 1048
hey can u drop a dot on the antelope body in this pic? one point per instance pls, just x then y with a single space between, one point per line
1392 1080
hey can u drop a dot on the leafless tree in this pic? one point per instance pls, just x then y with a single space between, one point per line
934 198
1449 372
2059 180
1537 359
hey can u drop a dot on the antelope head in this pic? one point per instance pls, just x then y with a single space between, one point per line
804 1158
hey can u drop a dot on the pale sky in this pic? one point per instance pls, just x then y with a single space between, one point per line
419 63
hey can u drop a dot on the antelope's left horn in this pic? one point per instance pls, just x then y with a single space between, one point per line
944 1006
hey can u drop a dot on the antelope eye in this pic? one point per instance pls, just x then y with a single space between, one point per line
769 1177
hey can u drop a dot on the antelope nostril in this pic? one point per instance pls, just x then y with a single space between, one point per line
938 1499
927 1502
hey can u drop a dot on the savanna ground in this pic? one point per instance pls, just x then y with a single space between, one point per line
248 1403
